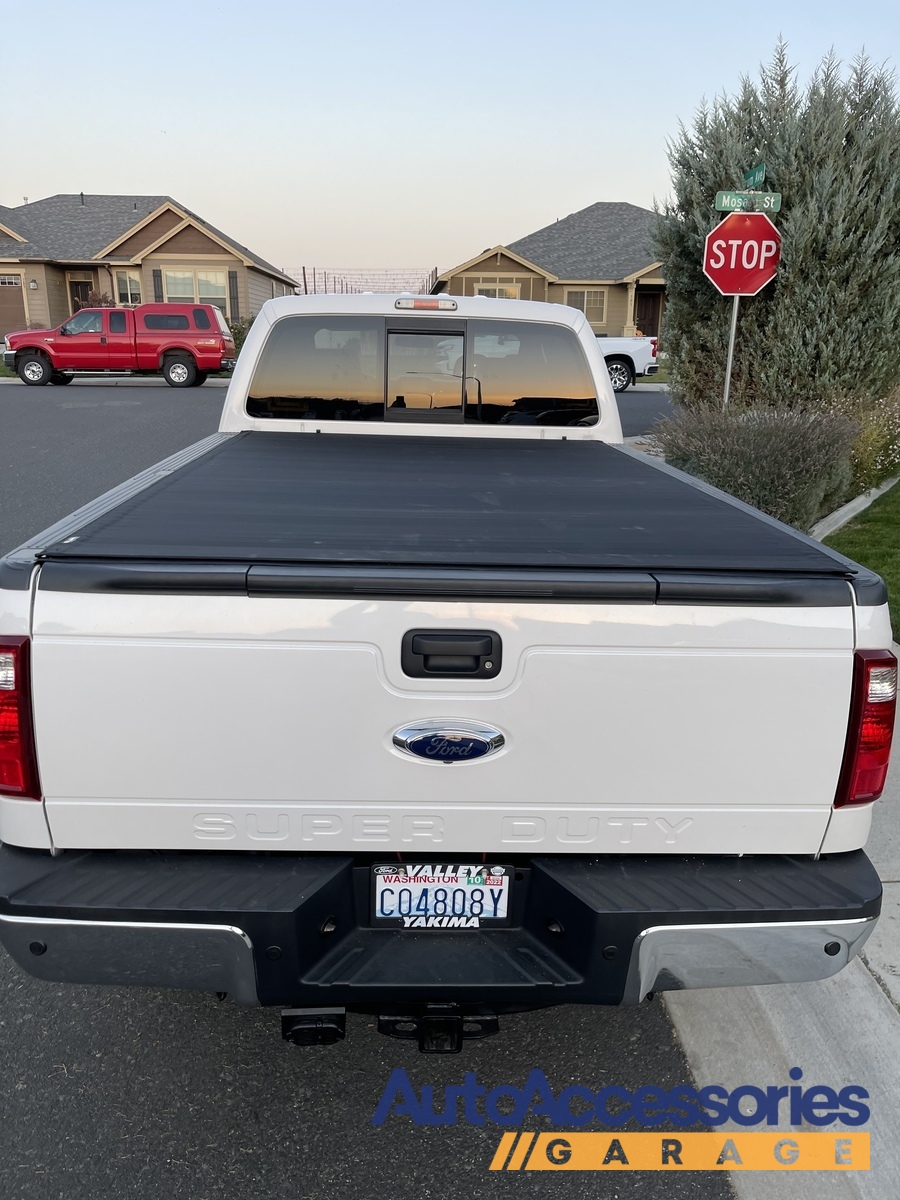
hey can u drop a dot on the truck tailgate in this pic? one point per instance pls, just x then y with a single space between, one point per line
218 662
174 722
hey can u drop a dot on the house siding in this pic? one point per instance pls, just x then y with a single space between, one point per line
259 290
498 263
37 304
57 295
148 235
616 310
616 304
537 287
190 241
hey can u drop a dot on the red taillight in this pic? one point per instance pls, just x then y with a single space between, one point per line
872 710
654 342
18 766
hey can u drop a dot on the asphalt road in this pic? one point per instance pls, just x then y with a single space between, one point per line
640 408
107 1094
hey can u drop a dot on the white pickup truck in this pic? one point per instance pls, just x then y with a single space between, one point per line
628 358
414 692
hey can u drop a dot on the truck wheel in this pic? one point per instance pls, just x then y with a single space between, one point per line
620 374
200 378
60 379
180 372
34 370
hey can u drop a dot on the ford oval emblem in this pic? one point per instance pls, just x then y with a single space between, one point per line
448 741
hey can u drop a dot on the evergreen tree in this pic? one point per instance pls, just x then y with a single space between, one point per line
827 329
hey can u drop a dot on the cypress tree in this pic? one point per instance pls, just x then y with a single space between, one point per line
827 329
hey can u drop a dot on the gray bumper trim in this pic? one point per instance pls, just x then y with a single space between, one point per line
681 957
210 958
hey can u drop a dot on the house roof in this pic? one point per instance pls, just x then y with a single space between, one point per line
65 229
11 247
602 241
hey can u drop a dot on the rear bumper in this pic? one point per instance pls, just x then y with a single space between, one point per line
228 364
295 929
651 369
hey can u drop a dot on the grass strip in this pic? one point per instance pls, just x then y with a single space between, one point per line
873 539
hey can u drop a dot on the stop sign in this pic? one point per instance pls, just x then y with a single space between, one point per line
742 253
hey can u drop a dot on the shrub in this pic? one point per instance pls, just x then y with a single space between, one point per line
875 454
239 330
96 299
795 466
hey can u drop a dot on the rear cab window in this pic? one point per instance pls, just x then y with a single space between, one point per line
168 321
364 368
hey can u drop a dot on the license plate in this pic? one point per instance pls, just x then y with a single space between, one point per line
440 895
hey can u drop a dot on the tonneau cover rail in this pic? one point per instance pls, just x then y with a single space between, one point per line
289 580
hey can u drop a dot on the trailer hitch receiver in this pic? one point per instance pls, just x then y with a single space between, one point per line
439 1028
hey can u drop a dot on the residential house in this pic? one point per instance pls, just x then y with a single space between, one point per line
137 249
600 260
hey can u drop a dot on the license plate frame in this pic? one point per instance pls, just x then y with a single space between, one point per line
430 911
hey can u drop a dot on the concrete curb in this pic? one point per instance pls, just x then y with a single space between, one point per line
851 509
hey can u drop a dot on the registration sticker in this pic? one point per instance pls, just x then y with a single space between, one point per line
440 895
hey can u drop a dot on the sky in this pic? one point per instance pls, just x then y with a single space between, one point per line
389 133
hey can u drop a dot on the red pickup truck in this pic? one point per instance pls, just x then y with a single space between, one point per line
182 342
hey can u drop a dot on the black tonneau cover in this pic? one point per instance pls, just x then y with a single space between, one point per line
441 502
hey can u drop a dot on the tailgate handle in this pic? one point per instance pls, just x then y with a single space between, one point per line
460 643
444 654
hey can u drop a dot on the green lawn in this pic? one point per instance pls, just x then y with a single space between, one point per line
873 539
661 376
6 373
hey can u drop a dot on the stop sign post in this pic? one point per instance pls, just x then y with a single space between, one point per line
740 257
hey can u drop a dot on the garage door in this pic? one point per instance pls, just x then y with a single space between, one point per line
12 304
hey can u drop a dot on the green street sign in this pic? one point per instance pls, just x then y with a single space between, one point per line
755 177
748 202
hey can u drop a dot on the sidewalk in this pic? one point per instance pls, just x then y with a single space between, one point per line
840 1031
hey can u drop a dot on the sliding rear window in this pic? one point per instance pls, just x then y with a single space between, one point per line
369 368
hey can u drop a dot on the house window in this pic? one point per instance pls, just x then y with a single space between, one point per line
591 302
505 292
128 287
212 288
180 286
200 287
10 280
